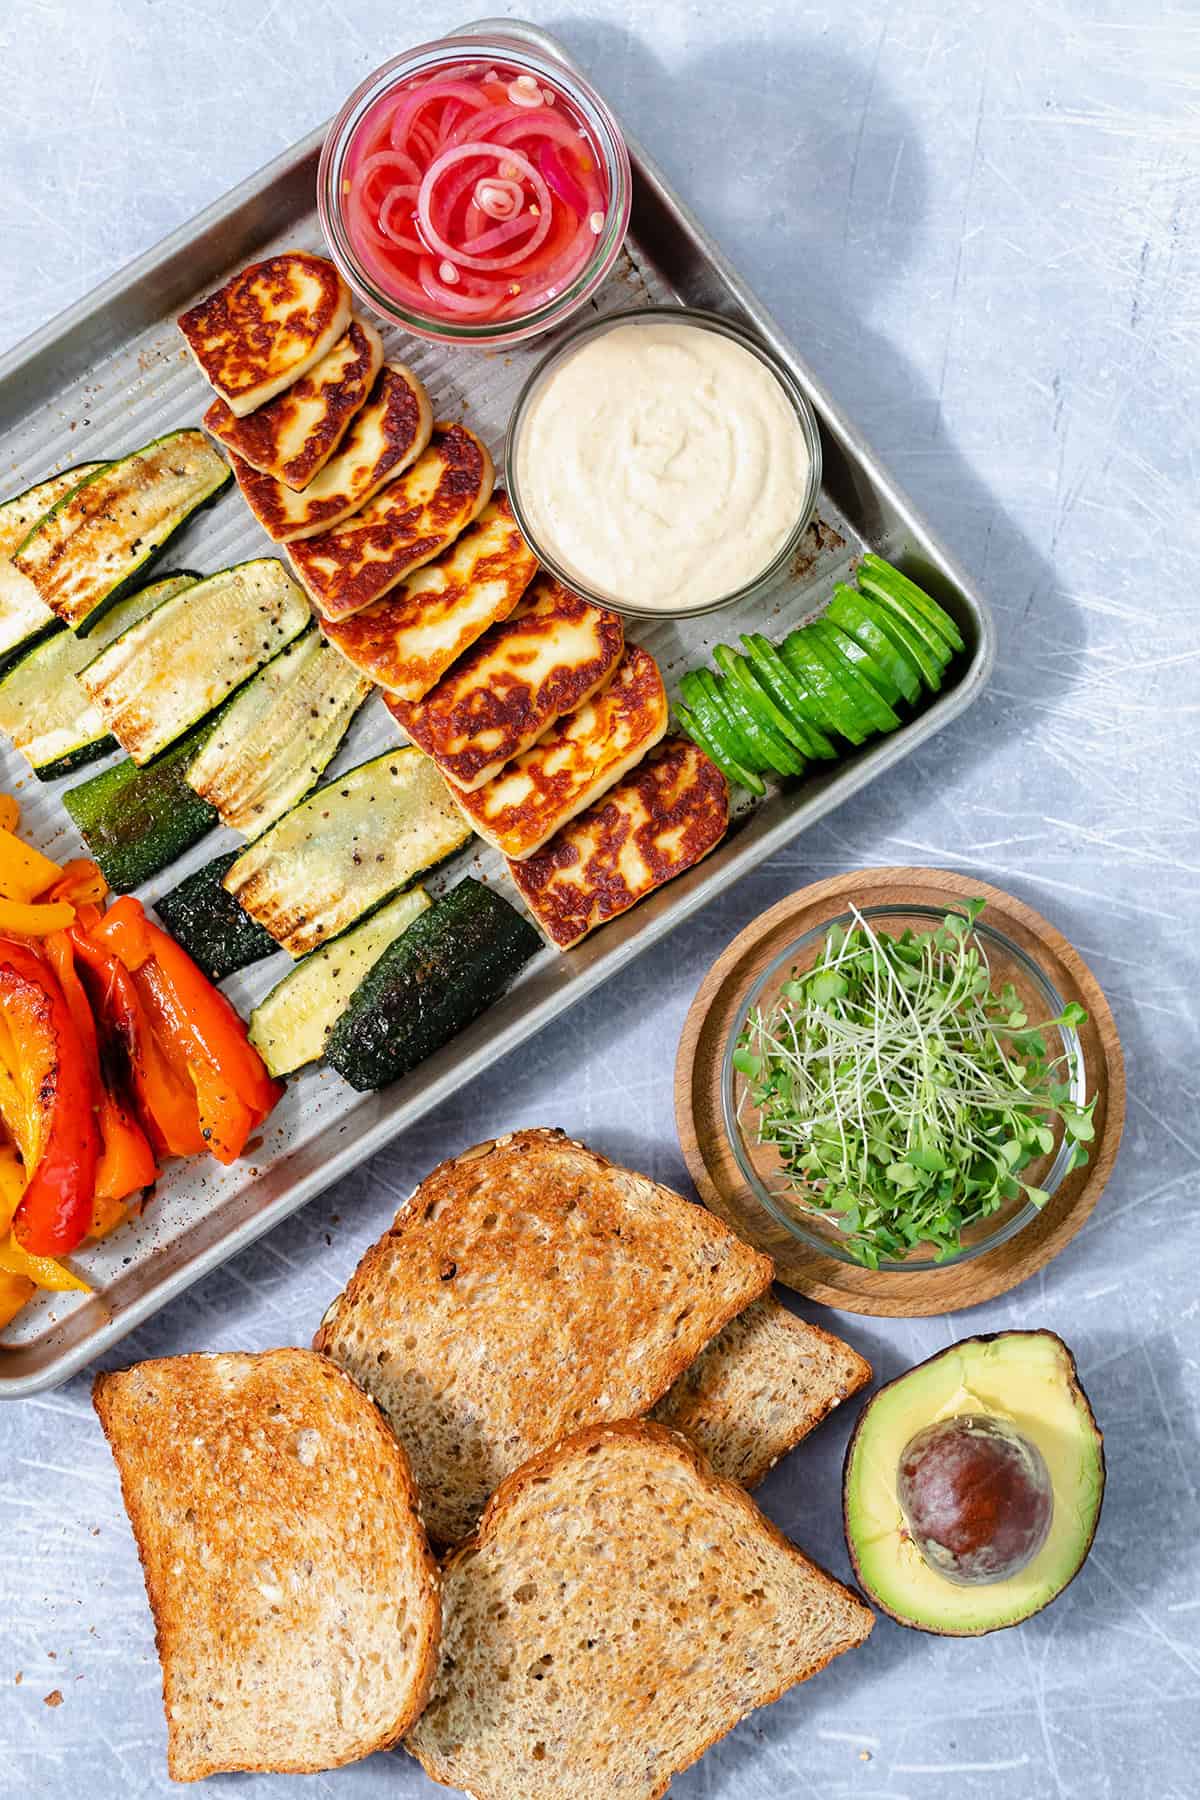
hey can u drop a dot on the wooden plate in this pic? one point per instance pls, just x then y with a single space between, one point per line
706 1149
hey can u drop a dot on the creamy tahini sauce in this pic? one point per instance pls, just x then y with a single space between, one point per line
662 465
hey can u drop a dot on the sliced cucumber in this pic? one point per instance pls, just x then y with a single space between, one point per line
888 658
352 844
842 653
748 751
164 674
730 768
447 968
911 642
915 622
789 693
24 616
699 691
778 753
102 535
210 924
43 707
279 734
837 709
762 704
886 576
852 651
292 1025
135 821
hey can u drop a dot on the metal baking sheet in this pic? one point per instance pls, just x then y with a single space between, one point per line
111 373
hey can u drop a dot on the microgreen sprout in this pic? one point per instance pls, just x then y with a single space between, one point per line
905 1097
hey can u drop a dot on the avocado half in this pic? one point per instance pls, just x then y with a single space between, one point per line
1027 1385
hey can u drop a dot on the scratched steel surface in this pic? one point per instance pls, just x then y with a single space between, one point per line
979 225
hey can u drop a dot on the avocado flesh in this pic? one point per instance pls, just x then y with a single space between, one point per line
1029 1380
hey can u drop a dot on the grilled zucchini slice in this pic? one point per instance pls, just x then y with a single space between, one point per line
135 821
218 936
43 707
355 842
447 968
279 734
166 673
100 538
24 616
292 1025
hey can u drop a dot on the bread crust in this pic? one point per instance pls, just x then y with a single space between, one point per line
137 1454
660 1439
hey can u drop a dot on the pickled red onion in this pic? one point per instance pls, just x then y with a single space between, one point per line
447 160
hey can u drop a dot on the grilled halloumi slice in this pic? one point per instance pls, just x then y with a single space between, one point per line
414 518
408 640
267 327
388 434
572 764
293 436
671 811
544 661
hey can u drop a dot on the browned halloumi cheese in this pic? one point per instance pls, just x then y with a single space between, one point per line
544 661
294 435
408 640
573 763
387 435
415 518
267 327
669 813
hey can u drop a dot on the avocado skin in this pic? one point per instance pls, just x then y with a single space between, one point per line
981 1338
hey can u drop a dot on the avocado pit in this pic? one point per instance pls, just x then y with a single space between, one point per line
977 1498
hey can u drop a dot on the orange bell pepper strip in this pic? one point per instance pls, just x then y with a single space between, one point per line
126 1160
79 882
15 1291
58 1095
166 1101
16 1264
24 920
199 1025
10 813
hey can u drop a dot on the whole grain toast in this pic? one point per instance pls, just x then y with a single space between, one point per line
296 1603
530 1286
759 1387
619 1609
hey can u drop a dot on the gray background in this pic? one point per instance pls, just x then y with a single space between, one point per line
978 222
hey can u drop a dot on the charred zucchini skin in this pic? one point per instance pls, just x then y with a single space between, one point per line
76 759
447 968
135 821
215 931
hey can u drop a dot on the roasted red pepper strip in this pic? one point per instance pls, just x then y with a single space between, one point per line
126 1160
235 1091
165 1101
58 1139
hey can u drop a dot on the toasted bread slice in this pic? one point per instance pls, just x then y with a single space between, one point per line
660 820
759 1387
546 659
388 435
295 1600
267 327
415 518
619 1610
572 763
408 640
529 1286
294 435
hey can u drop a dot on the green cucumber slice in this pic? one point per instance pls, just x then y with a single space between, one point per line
910 641
779 754
891 578
731 769
888 658
743 747
918 626
759 697
789 694
697 693
871 704
838 707
848 648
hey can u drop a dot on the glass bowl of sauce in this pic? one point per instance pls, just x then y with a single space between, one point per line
662 461
474 191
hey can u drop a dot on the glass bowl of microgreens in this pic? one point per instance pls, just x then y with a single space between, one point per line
904 1088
